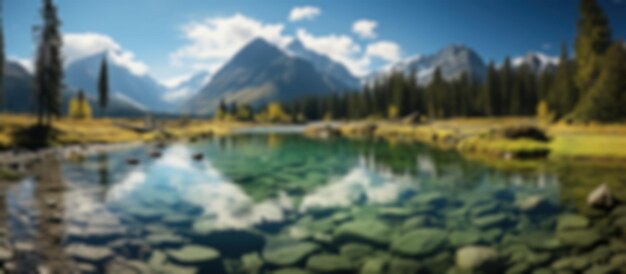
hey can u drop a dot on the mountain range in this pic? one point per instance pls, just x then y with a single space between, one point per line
259 73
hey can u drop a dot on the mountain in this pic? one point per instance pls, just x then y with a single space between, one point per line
260 73
141 90
538 62
19 95
453 61
181 92
19 88
324 64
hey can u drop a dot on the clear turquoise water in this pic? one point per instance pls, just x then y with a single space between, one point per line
253 194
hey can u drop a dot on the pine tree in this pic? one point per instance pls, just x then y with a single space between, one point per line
564 94
2 58
592 41
606 101
103 85
506 80
49 65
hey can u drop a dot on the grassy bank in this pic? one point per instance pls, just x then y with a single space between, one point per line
14 131
486 138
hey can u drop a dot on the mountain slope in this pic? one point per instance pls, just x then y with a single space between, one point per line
180 93
258 74
19 89
453 61
538 62
324 64
142 90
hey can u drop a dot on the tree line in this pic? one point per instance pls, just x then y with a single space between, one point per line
49 85
589 87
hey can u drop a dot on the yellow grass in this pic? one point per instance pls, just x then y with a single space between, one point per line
71 131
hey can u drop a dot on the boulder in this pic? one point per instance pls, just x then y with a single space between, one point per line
194 255
535 204
580 238
478 259
420 242
288 252
365 231
89 254
601 197
572 221
329 263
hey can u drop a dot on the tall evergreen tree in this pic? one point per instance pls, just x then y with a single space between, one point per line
506 80
49 65
593 39
2 58
564 93
606 101
103 85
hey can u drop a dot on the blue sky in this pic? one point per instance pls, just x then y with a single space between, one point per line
171 39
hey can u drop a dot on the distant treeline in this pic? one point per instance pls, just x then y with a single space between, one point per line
589 87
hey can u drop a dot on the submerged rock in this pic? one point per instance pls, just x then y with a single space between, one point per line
601 197
252 263
465 237
89 254
5 254
291 271
374 266
365 231
491 221
166 240
580 238
287 252
420 242
232 243
327 263
355 251
571 263
478 259
195 255
535 204
572 221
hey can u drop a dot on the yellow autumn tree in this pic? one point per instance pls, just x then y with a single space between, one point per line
275 113
79 107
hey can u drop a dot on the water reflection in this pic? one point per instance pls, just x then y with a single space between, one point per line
258 184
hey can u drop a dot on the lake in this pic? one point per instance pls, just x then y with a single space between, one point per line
261 202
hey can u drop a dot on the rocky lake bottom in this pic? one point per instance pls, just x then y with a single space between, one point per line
281 203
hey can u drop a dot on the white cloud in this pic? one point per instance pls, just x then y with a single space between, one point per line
386 50
340 48
214 40
365 28
80 45
304 13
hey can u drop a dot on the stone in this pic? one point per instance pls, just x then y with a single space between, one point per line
601 197
581 238
328 263
478 258
291 271
572 221
165 240
119 266
420 242
365 231
485 209
491 221
619 261
395 212
401 265
89 254
535 204
465 237
288 252
193 255
252 263
5 253
602 269
355 251
571 263
374 266
432 199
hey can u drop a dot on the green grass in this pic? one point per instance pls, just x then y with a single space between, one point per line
586 146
